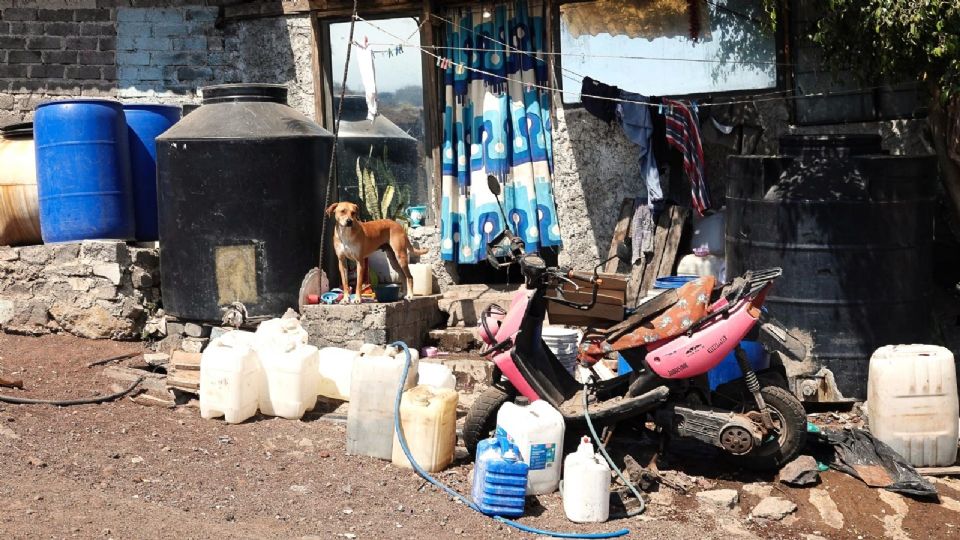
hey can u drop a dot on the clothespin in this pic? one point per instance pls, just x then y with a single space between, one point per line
660 109
693 105
439 60
399 49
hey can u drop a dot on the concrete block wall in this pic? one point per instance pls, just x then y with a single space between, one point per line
92 289
352 325
159 51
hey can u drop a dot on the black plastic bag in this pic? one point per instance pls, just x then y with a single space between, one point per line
858 453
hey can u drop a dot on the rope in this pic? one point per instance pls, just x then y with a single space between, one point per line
336 133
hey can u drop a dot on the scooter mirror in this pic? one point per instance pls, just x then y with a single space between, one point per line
624 253
493 185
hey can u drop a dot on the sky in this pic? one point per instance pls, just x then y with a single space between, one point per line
392 73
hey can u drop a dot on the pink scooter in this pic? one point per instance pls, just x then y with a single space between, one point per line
671 343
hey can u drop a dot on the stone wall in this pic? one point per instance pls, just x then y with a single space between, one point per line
352 325
159 51
93 289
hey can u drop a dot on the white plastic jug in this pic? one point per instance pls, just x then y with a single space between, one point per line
230 378
537 430
912 402
422 279
287 329
373 390
335 365
439 375
711 265
429 418
290 372
586 485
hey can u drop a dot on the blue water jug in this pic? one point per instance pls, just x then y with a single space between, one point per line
499 478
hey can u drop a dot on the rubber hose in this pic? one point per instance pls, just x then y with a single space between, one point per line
603 450
470 504
69 402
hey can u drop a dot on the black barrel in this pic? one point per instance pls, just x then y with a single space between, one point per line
241 185
853 229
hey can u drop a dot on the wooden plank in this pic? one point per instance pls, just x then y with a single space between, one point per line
620 233
182 360
317 70
598 311
940 471
653 263
678 219
583 296
579 320
634 283
612 282
432 107
184 380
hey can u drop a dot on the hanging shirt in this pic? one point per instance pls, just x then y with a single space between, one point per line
683 133
591 90
637 126
369 77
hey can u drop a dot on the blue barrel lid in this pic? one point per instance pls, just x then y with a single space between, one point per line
673 282
77 101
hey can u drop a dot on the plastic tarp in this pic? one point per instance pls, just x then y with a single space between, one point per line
858 453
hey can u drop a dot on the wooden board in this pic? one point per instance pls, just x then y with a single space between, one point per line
598 311
620 233
583 296
188 381
612 282
669 230
633 293
577 320
940 471
184 361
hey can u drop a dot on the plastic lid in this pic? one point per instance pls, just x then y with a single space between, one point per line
225 93
21 129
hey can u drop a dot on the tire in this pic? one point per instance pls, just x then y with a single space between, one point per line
772 455
481 419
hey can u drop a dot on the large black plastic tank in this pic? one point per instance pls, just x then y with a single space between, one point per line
241 187
381 139
852 229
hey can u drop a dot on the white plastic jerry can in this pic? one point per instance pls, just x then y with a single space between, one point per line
912 402
586 485
230 378
335 365
283 329
290 372
439 375
428 416
373 391
537 430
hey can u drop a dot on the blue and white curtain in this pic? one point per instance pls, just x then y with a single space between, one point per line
496 121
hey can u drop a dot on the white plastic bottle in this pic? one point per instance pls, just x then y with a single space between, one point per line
438 375
912 402
335 365
537 430
373 391
586 485
230 378
429 418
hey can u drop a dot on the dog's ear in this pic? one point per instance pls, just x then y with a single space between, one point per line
330 209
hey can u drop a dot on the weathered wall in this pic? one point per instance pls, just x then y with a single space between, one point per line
158 51
91 289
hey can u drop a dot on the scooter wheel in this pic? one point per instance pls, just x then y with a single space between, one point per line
785 445
481 419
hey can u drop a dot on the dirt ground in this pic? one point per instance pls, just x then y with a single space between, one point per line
124 470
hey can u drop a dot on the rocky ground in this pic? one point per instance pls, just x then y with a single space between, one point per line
125 470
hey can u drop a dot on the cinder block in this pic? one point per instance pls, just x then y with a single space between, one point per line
190 44
55 14
150 74
96 58
131 14
151 44
200 14
81 43
44 42
19 14
97 29
171 30
63 29
167 16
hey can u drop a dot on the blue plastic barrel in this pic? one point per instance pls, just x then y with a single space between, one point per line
145 123
83 170
672 282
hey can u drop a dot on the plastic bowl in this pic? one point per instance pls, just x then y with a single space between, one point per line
388 292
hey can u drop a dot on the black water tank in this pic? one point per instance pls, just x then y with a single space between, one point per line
241 189
852 229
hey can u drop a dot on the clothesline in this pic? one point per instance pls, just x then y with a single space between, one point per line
553 90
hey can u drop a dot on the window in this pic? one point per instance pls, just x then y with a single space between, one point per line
380 162
645 46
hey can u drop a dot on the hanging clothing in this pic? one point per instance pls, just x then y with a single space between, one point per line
368 75
643 229
492 126
683 133
638 127
591 93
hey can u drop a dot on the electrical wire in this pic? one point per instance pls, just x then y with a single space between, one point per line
398 429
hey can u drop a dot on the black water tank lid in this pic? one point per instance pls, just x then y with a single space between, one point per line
223 93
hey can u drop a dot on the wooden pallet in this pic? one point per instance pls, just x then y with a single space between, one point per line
660 263
184 372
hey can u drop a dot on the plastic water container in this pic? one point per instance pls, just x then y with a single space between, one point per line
428 416
335 365
563 343
422 279
289 386
537 430
708 234
373 390
145 122
499 478
230 378
437 375
912 402
710 265
586 485
83 170
283 329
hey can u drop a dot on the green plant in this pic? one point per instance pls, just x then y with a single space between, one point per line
373 172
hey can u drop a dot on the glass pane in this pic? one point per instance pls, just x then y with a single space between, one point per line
644 47
380 161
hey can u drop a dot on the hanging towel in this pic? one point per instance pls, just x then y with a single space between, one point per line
683 133
603 109
642 229
369 77
638 127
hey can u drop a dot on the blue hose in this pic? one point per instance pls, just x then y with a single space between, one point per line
426 476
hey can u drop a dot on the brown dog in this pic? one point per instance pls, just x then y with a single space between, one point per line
357 240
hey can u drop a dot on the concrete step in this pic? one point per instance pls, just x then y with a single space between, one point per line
454 339
463 304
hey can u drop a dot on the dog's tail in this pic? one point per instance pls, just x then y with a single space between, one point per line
419 251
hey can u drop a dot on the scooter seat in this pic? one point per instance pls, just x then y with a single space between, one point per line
693 299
